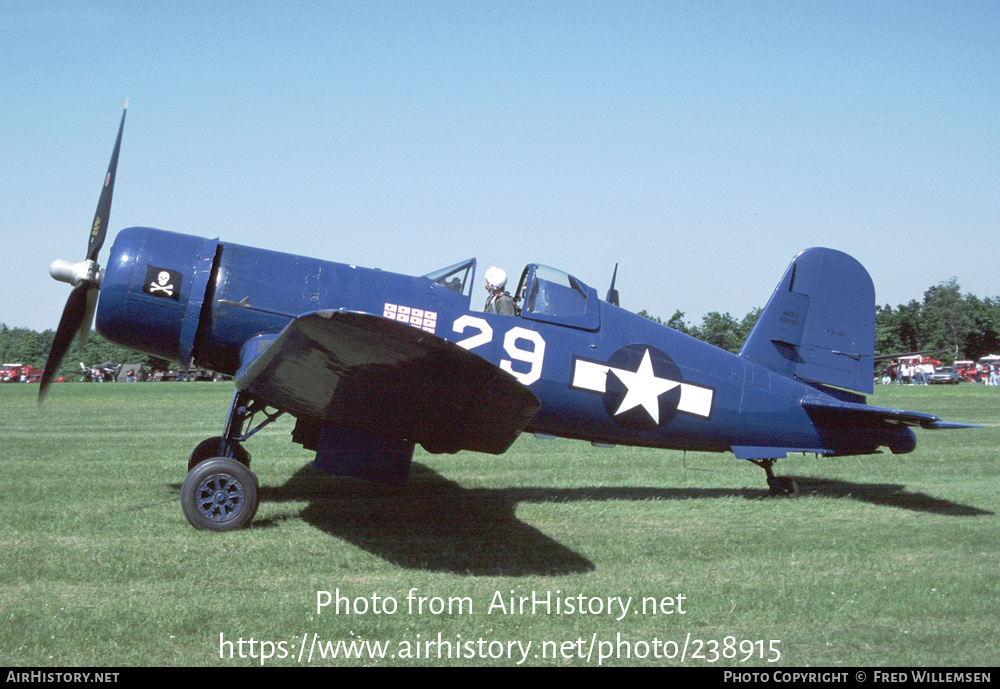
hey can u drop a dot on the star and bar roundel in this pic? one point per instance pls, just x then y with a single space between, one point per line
642 388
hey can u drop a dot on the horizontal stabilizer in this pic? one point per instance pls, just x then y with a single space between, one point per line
869 416
819 324
376 375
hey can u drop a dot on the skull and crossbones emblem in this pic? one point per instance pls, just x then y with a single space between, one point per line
161 286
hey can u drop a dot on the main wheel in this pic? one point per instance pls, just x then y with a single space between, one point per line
209 448
219 494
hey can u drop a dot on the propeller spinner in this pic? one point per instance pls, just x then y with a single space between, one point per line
85 276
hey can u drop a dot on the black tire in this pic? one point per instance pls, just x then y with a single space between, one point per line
783 487
209 448
219 494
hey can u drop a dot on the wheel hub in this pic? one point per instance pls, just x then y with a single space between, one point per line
220 497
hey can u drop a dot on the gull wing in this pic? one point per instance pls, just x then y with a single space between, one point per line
377 375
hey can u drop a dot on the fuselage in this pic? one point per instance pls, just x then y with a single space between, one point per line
603 374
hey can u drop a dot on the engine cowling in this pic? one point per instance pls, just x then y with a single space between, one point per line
153 290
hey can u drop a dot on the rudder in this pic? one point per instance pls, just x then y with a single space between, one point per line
819 324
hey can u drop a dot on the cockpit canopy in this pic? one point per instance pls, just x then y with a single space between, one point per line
457 277
543 294
550 295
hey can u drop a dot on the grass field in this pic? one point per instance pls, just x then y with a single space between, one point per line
882 561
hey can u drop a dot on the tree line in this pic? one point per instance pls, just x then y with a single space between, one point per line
23 346
719 329
958 326
964 326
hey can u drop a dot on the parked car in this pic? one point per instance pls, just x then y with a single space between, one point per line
945 374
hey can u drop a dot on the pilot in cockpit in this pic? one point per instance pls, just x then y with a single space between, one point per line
499 300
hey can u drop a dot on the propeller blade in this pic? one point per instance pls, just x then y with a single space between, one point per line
100 226
73 314
87 324
85 276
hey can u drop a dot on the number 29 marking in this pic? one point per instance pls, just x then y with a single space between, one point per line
533 356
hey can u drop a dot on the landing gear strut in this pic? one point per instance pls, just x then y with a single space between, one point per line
779 486
220 492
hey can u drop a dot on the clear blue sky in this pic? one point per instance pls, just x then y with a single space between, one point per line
698 144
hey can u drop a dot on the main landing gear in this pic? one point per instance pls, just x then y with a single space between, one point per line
220 492
779 486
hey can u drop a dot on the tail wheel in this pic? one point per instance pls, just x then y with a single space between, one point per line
783 487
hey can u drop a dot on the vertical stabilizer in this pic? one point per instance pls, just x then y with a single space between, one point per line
819 324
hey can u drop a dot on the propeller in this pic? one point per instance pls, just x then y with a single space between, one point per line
85 276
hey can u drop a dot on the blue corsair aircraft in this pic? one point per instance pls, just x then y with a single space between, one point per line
372 363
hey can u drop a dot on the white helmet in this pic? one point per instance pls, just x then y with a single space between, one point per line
496 278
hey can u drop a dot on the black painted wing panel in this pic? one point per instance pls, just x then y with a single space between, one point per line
377 375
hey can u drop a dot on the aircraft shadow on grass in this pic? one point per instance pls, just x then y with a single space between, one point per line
435 524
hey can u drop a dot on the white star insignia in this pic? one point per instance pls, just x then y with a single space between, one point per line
644 388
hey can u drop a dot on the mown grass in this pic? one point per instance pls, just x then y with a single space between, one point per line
883 560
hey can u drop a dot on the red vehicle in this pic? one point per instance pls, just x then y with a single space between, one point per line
967 370
977 371
917 359
20 373
910 362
